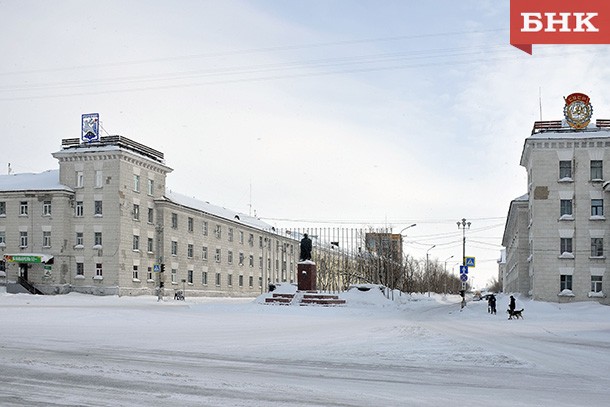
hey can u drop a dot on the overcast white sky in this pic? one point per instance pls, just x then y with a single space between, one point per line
344 112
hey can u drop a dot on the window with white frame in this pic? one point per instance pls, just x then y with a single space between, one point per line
597 247
189 250
190 224
174 248
97 205
218 231
80 179
79 243
99 179
136 183
98 269
23 239
2 208
230 234
150 188
241 237
136 212
80 269
46 208
204 253
149 273
217 256
565 207
230 257
597 207
189 276
204 278
596 284
135 274
565 169
174 276
174 220
565 282
151 215
150 245
597 173
78 209
23 208
97 238
565 245
136 243
251 240
46 238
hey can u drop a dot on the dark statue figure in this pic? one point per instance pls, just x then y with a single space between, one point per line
305 248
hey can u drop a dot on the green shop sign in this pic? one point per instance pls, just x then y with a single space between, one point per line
23 259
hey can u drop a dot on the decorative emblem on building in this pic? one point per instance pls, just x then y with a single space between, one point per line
90 127
578 110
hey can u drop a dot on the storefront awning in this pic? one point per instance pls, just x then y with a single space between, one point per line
29 258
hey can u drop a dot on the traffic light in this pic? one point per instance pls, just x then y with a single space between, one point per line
162 267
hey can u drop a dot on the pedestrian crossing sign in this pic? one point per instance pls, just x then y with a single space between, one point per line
469 261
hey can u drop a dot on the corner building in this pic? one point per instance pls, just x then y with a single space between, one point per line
568 239
104 223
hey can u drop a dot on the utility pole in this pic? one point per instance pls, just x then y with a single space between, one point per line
427 270
463 224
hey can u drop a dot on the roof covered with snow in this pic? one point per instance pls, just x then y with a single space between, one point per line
44 181
218 211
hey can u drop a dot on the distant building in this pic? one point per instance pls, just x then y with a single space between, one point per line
557 236
104 223
387 245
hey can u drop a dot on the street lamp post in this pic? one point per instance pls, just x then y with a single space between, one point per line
463 224
403 257
445 277
427 270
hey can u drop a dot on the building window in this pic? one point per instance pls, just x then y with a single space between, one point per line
597 247
251 281
230 257
230 234
240 280
596 284
217 280
251 240
134 274
136 183
46 208
98 269
189 251
97 239
565 207
78 209
98 208
241 259
174 248
149 274
204 277
3 208
80 269
597 170
136 212
174 276
79 239
205 228
136 243
23 239
2 237
565 282
597 207
150 189
251 260
217 256
260 262
204 253
80 179
99 179
151 215
230 280
23 208
218 231
150 245
565 169
174 220
565 245
190 223
241 237
189 276
260 242
46 239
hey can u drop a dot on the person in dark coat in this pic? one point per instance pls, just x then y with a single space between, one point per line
511 305
305 248
491 304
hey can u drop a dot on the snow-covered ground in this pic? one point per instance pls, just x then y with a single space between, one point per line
78 350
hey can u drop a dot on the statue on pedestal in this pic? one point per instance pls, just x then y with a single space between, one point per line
305 248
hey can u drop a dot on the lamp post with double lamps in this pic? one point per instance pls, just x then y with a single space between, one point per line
463 224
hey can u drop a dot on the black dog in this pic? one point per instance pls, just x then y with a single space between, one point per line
518 313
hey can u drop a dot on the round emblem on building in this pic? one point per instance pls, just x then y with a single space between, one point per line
578 110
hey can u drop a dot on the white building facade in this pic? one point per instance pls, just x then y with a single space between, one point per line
105 224
557 237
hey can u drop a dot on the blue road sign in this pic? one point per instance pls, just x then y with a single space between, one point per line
463 269
470 261
464 277
156 268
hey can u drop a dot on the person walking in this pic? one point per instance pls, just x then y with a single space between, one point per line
511 305
491 302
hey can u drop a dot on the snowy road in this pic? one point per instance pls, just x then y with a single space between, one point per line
83 351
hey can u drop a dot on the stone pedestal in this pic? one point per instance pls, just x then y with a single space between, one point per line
306 275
